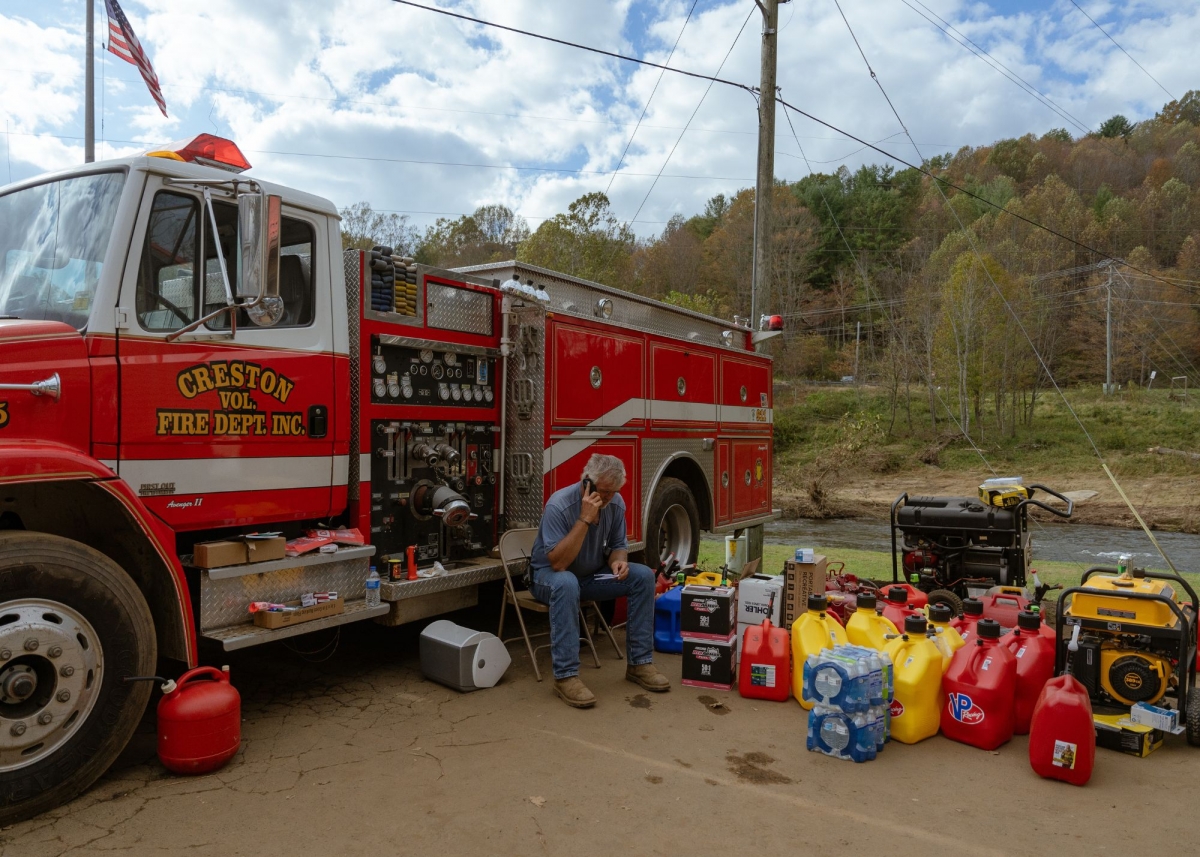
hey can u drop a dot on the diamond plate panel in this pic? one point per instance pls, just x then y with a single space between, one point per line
451 308
657 452
526 436
223 602
353 285
479 571
572 296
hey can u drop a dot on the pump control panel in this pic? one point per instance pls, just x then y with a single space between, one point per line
445 376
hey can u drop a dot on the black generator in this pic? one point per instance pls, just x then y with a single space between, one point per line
962 546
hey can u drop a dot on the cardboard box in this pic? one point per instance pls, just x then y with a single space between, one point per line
710 663
263 549
708 612
801 579
238 551
1165 719
754 598
218 554
267 619
1118 732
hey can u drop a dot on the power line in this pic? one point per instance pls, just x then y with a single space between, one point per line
661 74
1020 82
569 44
679 139
1114 41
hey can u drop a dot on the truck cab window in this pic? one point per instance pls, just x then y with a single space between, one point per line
295 269
166 290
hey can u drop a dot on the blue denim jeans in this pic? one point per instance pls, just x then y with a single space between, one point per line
563 591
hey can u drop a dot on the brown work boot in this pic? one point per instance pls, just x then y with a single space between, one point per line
574 692
648 677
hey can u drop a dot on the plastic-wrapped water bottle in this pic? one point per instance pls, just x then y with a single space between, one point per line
373 582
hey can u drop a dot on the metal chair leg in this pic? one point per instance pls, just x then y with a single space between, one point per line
503 607
607 630
528 644
588 635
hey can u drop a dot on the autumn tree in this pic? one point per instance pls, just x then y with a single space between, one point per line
587 241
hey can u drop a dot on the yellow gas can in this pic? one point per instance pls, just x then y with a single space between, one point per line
948 639
867 628
814 630
917 664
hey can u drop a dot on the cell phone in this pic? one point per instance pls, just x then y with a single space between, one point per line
588 485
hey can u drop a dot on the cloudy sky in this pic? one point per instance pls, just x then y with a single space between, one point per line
429 116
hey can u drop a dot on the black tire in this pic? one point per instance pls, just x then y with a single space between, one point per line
945 596
35 566
1193 717
667 531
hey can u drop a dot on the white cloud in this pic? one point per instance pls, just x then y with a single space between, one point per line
378 80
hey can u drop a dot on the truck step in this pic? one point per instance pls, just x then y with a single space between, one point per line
307 561
244 635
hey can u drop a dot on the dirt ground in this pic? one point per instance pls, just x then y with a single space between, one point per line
1164 502
358 755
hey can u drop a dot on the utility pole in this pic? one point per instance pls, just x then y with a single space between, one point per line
89 89
760 278
857 339
1108 382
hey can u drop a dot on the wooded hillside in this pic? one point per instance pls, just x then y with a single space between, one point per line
925 268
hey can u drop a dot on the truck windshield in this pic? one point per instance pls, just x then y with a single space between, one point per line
53 238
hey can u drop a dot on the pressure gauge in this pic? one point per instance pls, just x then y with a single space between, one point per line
487 395
407 391
379 388
478 393
456 392
378 364
426 355
443 392
437 371
451 358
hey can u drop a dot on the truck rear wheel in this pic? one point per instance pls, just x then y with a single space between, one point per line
674 523
72 626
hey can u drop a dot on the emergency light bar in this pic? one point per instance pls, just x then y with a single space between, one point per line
207 150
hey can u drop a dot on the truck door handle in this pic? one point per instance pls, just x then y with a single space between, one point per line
318 420
51 387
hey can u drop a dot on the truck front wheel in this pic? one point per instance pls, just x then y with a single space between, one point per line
674 523
72 626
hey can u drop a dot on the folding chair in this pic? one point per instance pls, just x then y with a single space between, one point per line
515 549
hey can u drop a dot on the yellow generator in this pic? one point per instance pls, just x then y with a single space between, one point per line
1137 640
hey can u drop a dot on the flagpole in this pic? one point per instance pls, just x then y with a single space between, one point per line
89 91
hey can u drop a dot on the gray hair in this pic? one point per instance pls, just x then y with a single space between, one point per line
606 468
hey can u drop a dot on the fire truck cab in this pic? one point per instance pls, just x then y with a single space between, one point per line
187 354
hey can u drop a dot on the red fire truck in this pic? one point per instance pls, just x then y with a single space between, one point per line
187 354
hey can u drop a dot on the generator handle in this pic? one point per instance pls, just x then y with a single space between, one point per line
1187 636
896 504
1156 575
1070 503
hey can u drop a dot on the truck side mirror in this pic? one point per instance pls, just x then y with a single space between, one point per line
259 240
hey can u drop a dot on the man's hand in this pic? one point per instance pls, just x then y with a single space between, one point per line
592 503
620 568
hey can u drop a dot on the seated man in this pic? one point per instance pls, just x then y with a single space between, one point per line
581 555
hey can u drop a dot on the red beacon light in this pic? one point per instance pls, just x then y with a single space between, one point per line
770 323
207 150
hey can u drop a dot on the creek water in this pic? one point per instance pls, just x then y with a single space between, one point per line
1079 543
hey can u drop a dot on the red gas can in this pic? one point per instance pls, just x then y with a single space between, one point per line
965 624
897 607
1003 603
1062 737
913 596
765 669
1034 653
979 686
199 722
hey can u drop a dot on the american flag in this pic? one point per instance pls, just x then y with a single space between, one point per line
123 43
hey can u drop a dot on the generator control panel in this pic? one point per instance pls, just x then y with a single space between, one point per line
443 376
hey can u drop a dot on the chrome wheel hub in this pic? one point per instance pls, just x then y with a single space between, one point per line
51 667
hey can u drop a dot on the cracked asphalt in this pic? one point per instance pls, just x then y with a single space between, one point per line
349 751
